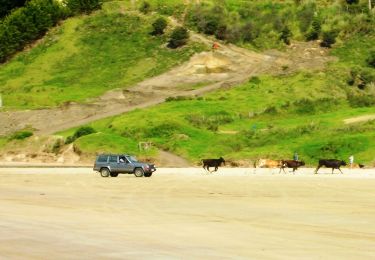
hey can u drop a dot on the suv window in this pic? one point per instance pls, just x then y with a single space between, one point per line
113 158
102 158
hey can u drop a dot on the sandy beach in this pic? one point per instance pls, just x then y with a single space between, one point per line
73 213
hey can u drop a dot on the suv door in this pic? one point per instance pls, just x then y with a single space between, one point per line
113 163
126 165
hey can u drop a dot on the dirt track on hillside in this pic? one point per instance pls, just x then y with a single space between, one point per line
208 71
185 214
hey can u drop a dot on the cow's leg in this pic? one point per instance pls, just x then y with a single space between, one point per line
333 170
340 170
294 169
217 167
317 168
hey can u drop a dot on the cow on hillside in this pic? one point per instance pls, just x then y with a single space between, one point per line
207 163
291 164
330 163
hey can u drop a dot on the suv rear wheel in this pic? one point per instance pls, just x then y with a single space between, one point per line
139 172
105 172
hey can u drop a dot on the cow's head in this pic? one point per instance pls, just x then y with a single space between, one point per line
301 163
222 160
343 163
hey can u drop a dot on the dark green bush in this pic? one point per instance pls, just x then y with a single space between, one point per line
6 6
328 38
350 2
361 77
361 100
82 131
286 34
159 26
178 98
83 6
20 135
27 24
179 37
307 106
315 29
145 7
371 58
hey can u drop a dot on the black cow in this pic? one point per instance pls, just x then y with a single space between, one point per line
330 163
207 163
291 164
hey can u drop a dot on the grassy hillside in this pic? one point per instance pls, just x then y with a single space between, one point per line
267 117
87 56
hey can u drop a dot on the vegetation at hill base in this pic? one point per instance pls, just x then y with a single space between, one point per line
257 119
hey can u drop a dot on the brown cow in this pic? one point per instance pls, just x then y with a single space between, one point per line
291 164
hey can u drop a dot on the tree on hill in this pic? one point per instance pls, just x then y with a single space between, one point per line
178 38
145 7
6 6
371 58
83 6
159 26
27 24
329 38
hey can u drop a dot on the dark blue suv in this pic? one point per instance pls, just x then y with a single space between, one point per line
114 164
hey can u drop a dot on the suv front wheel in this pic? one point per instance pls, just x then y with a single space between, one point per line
105 172
139 172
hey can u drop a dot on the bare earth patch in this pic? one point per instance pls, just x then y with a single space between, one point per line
359 119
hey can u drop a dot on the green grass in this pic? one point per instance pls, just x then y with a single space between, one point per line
87 56
355 50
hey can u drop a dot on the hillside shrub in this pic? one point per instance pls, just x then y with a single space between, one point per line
308 106
371 58
286 34
21 135
82 131
179 37
145 7
159 26
350 2
27 24
83 6
6 6
361 77
209 122
328 38
315 29
363 100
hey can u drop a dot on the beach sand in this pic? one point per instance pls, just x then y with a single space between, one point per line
54 213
